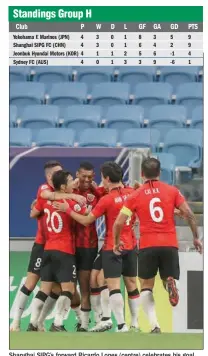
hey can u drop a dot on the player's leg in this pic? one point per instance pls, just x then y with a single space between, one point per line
95 297
169 272
76 307
112 266
148 264
32 279
64 268
85 258
105 323
130 280
49 305
46 275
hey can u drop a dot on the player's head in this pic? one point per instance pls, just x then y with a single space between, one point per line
150 168
62 181
85 174
111 173
50 168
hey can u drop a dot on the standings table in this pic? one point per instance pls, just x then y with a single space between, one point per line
105 36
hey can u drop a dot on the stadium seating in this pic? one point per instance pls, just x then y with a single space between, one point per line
166 117
150 94
18 74
140 138
136 75
167 161
107 94
122 117
51 74
190 95
80 117
20 137
28 93
197 117
12 115
56 137
178 75
94 75
185 145
98 138
36 117
65 94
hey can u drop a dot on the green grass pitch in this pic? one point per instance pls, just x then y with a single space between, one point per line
129 340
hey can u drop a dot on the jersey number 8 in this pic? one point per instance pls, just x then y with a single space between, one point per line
50 221
153 210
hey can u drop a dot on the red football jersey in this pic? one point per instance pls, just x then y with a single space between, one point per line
58 226
154 204
86 236
110 206
40 238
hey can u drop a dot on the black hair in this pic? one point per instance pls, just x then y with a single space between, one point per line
151 167
113 171
52 164
59 178
86 165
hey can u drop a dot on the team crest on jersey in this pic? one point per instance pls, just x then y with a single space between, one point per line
44 187
77 207
90 197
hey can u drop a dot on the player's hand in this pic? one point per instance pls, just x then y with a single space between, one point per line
198 245
61 206
79 199
136 185
94 184
33 204
178 213
117 249
76 183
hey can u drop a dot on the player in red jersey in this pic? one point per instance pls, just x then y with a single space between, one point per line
86 242
59 264
154 203
45 191
113 265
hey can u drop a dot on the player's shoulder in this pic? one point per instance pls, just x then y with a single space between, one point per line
166 186
44 186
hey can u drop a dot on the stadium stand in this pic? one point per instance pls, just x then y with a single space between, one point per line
80 117
168 165
12 115
190 95
150 94
141 138
166 117
186 145
98 138
84 106
20 137
197 117
135 75
178 75
56 137
123 117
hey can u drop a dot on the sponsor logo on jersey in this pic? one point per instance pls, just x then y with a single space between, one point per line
118 200
77 207
90 197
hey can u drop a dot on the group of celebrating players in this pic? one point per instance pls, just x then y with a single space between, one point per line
66 247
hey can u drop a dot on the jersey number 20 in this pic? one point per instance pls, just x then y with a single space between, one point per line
50 221
156 209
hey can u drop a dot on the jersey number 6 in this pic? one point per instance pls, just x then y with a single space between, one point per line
153 210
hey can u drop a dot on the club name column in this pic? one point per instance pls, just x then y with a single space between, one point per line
41 43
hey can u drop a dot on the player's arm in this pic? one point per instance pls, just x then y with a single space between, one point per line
81 219
48 195
188 214
125 214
